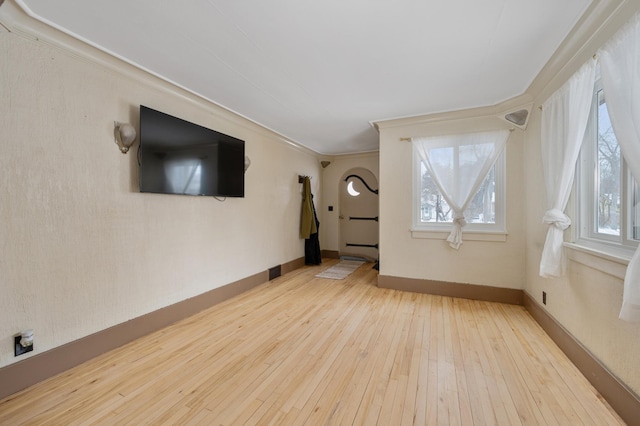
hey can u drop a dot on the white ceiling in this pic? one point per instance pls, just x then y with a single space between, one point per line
318 72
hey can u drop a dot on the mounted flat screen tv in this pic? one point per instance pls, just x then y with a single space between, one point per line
179 157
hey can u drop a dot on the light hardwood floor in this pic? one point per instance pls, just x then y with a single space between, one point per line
302 350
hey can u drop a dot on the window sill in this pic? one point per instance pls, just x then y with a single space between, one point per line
610 262
490 236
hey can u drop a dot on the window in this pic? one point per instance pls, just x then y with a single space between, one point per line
485 213
607 195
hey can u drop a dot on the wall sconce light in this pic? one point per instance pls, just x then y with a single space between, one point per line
519 117
247 163
125 135
324 164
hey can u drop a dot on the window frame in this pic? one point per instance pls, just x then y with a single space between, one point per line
585 193
438 229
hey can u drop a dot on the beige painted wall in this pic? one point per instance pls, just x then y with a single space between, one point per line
587 300
493 263
82 249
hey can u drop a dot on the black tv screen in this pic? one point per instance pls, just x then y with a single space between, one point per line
179 157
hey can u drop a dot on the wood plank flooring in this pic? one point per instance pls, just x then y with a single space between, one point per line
301 350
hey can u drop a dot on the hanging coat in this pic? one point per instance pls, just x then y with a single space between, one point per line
312 253
308 224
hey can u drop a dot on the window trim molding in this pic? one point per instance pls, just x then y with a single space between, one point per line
608 261
487 235
585 239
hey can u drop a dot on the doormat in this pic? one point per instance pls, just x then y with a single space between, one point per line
341 270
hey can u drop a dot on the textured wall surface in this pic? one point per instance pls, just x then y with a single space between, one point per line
492 263
587 300
81 248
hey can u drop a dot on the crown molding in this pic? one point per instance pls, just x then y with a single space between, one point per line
597 25
23 23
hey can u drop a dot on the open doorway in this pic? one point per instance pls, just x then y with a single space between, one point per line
359 214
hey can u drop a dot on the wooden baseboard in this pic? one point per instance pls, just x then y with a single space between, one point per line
30 371
293 265
450 289
623 400
331 254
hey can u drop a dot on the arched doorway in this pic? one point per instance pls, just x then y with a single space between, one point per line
359 214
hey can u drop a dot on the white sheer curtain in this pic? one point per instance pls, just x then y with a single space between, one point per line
564 121
620 70
458 165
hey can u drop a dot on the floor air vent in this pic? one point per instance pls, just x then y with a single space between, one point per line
275 272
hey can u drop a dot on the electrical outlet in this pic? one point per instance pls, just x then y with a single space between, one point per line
544 297
18 348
